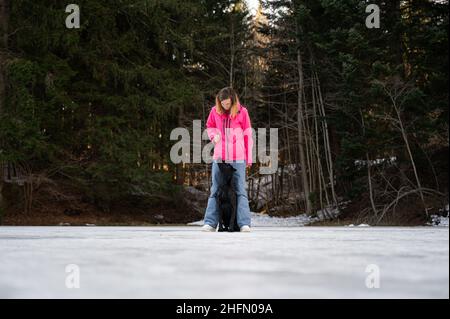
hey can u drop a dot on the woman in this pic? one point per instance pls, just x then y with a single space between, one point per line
229 129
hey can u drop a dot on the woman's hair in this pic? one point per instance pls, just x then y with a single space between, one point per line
227 93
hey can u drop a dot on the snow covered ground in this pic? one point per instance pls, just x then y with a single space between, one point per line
439 221
266 220
182 262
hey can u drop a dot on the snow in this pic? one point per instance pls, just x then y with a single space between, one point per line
378 161
327 213
259 219
360 225
183 262
439 221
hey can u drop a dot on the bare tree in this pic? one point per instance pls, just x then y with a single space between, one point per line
396 91
301 130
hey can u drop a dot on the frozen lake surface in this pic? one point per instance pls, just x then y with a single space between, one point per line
182 262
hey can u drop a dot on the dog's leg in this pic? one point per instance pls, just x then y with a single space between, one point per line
220 204
235 219
232 215
221 227
234 223
231 227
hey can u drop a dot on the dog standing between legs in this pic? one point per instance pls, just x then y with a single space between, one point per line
227 203
226 200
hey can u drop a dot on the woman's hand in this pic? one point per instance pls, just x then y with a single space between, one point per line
216 139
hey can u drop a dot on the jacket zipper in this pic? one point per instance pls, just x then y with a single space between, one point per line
223 125
226 122
226 138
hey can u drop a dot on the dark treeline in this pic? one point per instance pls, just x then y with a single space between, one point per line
86 114
364 111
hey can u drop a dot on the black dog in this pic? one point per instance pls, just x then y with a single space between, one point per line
227 200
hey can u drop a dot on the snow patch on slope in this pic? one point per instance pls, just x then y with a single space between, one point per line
440 220
266 220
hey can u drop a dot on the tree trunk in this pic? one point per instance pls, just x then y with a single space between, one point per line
301 133
232 52
408 148
328 156
369 174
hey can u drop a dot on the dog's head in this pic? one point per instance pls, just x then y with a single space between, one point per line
227 171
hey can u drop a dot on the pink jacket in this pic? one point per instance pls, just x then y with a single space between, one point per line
236 136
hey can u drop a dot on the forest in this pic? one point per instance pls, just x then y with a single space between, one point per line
86 113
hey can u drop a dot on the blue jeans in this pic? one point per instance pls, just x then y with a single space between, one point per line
238 180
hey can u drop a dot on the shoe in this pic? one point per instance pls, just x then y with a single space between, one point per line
208 228
245 229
